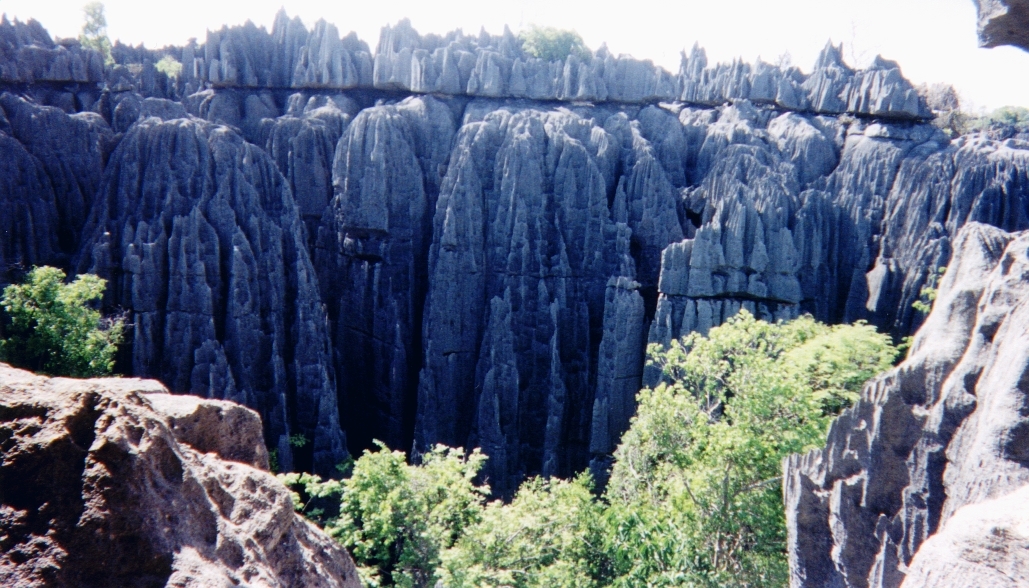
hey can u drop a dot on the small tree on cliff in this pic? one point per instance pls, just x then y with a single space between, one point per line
550 44
53 329
94 31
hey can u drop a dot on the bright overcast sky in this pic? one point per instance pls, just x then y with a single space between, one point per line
933 40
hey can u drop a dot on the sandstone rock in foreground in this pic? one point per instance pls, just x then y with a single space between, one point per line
113 482
913 476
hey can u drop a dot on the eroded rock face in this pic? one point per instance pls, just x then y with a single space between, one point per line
943 431
482 262
983 544
113 482
1003 22
199 236
52 164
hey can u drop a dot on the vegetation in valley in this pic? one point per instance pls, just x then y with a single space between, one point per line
694 497
51 327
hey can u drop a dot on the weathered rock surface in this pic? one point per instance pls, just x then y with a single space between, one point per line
52 166
114 482
372 256
983 544
943 431
488 261
201 240
28 55
1003 22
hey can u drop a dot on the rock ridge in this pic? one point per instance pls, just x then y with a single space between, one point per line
114 481
941 434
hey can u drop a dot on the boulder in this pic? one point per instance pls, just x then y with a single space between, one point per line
113 481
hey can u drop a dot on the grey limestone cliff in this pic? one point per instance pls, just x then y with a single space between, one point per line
202 242
446 240
944 430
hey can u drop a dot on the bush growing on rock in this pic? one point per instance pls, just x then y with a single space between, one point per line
94 31
53 329
550 44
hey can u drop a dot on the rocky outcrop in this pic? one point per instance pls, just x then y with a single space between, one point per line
114 482
29 55
983 544
495 66
202 242
524 243
915 469
448 240
1003 22
52 166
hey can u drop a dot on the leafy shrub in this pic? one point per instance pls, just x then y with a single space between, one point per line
52 328
551 534
695 490
397 518
550 44
695 496
169 66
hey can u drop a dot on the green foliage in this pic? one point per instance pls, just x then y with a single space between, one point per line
52 328
551 534
94 31
396 518
298 440
313 497
550 44
927 295
1017 116
169 66
695 490
695 494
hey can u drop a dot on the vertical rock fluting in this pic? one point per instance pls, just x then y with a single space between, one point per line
524 243
944 430
303 145
489 263
71 150
372 255
202 243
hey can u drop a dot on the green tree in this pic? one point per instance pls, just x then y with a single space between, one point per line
397 518
550 44
54 330
169 66
695 493
94 31
550 535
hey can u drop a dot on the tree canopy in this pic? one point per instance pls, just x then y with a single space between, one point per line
94 31
552 44
695 493
52 328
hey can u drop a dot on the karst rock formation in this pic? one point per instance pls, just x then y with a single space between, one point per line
442 239
115 482
923 482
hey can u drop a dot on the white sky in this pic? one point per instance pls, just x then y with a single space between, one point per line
933 40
